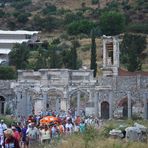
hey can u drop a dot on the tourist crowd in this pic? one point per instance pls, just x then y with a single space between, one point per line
25 134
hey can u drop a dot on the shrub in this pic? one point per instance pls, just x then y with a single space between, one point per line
8 120
50 9
106 129
21 3
137 28
2 13
23 18
82 26
94 2
89 135
71 17
7 73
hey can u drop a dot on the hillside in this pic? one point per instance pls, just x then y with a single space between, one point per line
53 17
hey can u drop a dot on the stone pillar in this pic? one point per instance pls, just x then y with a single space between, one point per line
57 104
63 104
110 105
44 101
104 53
129 104
115 52
19 103
145 106
96 104
78 103
90 95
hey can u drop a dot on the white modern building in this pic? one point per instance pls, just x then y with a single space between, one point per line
9 38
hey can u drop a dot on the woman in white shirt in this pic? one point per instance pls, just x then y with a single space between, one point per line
45 135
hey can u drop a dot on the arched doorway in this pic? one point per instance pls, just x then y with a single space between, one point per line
53 102
78 101
124 104
105 110
2 104
125 109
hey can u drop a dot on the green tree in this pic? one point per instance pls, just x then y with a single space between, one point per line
82 26
74 54
42 57
55 60
132 48
112 23
93 52
18 57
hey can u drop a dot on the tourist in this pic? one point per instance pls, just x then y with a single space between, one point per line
45 134
10 140
3 125
15 133
1 136
32 134
69 127
24 140
82 127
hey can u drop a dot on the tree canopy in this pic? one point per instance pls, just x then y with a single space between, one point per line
112 23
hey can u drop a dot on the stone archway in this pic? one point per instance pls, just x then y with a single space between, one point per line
2 105
54 98
78 99
124 104
105 110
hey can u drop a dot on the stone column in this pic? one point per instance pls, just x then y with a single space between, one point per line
104 53
57 104
110 105
78 103
96 104
145 106
44 101
129 104
115 52
90 95
19 103
27 103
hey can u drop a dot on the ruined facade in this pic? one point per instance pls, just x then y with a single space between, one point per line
115 94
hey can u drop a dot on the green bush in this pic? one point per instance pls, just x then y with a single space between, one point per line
23 18
7 120
47 23
7 73
71 17
94 2
82 26
50 9
21 3
2 13
89 135
106 129
137 28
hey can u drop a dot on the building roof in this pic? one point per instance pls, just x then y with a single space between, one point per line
128 73
4 51
13 41
18 32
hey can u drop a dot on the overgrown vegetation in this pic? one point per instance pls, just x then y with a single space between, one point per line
7 73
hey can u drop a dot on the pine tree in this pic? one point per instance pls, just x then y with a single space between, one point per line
93 53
